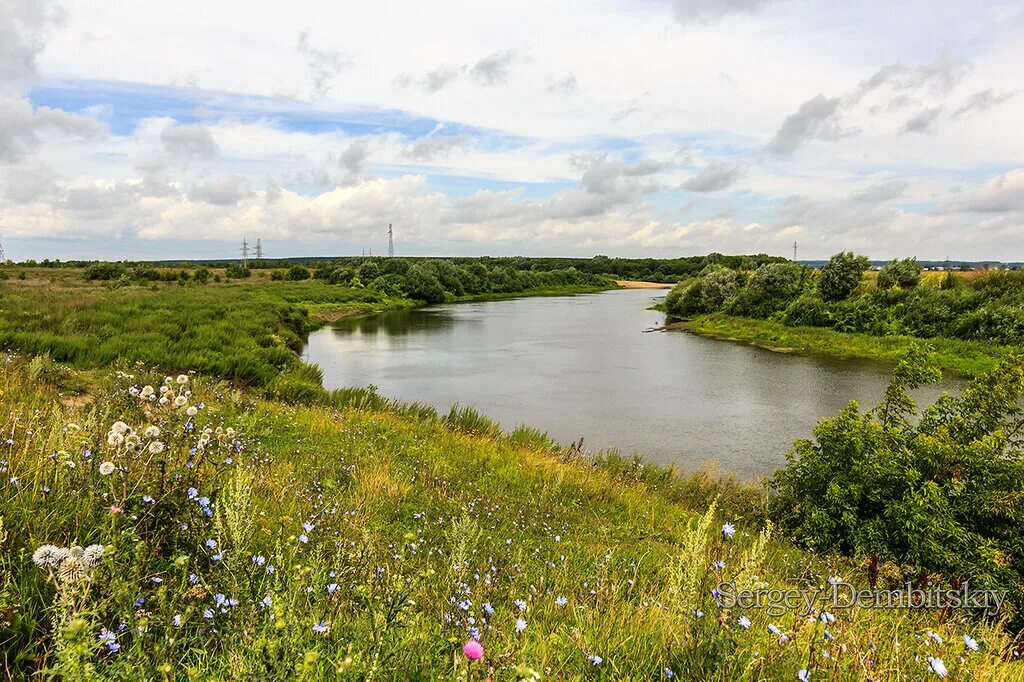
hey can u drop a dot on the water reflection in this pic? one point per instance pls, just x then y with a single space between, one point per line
581 367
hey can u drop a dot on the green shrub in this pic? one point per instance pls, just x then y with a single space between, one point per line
808 310
904 274
770 289
841 275
297 273
941 493
102 271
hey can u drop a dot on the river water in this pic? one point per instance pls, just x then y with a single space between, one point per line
582 366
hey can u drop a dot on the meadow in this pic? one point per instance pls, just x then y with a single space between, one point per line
180 498
179 528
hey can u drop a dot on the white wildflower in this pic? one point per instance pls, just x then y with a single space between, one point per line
192 411
156 447
92 555
182 379
152 432
107 468
119 427
115 439
180 401
147 391
49 555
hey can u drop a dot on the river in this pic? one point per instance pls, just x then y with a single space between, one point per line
582 366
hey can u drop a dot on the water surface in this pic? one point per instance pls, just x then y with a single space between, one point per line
582 366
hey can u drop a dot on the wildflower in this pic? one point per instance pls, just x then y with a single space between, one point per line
219 599
120 427
321 627
156 447
156 580
192 493
595 660
934 637
182 379
107 468
176 620
92 554
937 666
776 631
520 624
561 601
110 640
803 675
332 588
269 569
148 499
668 673
970 643
72 569
697 613
216 557
192 411
146 392
303 539
259 559
180 401
308 526
826 617
49 555
719 565
114 509
488 609
266 602
208 613
728 530
473 650
744 622
520 604
152 432
211 543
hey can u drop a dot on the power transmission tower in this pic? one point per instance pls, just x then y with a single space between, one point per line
259 249
1 254
391 241
245 253
794 252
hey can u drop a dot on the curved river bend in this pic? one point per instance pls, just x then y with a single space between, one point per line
580 366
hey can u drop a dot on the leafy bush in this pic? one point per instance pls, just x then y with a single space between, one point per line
717 285
808 310
297 273
942 494
103 271
684 299
904 274
770 289
841 275
235 271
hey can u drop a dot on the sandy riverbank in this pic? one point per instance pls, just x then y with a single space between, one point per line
630 284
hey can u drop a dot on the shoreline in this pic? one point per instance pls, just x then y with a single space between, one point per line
967 359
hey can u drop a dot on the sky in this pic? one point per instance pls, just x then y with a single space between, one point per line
653 128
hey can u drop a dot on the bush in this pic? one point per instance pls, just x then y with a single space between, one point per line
770 289
717 286
684 299
904 274
297 273
235 271
841 275
808 311
103 271
942 495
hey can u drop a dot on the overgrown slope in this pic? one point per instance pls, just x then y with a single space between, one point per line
265 541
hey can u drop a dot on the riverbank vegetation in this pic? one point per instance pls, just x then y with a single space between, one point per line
972 318
181 528
237 520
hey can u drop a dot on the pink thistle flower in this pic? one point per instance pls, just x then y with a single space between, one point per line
114 509
473 649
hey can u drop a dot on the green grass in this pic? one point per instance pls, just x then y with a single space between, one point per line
418 521
968 358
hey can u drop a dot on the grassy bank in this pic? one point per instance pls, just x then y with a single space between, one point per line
963 357
261 540
249 331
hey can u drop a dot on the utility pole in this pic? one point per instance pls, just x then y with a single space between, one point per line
259 249
391 241
245 253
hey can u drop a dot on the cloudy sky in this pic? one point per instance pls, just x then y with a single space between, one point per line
541 127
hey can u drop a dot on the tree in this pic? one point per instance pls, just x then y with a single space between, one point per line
297 273
940 492
841 275
717 286
904 274
771 288
421 284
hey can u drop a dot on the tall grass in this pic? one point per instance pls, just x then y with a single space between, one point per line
392 541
